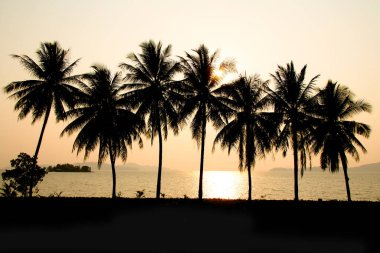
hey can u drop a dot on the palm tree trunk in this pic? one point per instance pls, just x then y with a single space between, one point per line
113 171
38 149
200 190
346 179
158 191
295 157
249 183
249 151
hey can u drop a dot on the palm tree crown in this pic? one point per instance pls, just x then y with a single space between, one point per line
292 99
51 88
334 136
152 92
251 129
102 118
200 84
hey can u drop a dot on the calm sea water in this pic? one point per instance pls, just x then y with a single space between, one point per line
217 184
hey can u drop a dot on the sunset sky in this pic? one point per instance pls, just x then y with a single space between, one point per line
340 40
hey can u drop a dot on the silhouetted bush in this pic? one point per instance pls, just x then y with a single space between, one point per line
140 194
25 174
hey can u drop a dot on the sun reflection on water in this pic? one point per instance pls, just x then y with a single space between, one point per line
222 184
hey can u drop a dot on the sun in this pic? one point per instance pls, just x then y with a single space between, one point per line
218 73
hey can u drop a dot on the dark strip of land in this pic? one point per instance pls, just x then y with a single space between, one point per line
141 225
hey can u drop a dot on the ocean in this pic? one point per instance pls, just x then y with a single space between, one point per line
276 184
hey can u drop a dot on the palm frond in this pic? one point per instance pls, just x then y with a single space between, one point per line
30 65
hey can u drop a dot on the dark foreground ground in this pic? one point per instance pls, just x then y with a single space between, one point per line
171 225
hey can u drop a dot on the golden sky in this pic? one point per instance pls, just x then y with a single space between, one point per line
338 39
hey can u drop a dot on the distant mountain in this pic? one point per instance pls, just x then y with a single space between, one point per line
127 166
107 166
279 169
372 167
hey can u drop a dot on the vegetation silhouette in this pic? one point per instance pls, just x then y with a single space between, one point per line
102 118
68 168
291 98
8 190
334 135
17 180
112 115
140 194
200 86
252 129
51 88
151 92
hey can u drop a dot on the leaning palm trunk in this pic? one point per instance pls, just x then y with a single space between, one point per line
295 157
112 158
158 191
347 183
346 179
200 190
38 149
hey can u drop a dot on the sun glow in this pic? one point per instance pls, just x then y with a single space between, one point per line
222 184
218 73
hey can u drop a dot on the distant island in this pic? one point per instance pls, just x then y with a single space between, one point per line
68 168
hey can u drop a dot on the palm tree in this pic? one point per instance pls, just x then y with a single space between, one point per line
201 83
51 89
291 98
151 92
251 130
334 136
101 118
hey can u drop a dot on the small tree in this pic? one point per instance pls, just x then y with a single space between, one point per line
8 190
25 174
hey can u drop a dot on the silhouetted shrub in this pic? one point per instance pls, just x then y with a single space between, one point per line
25 174
140 194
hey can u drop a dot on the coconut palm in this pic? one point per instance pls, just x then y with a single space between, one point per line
151 92
252 129
201 83
291 98
51 88
335 135
101 118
